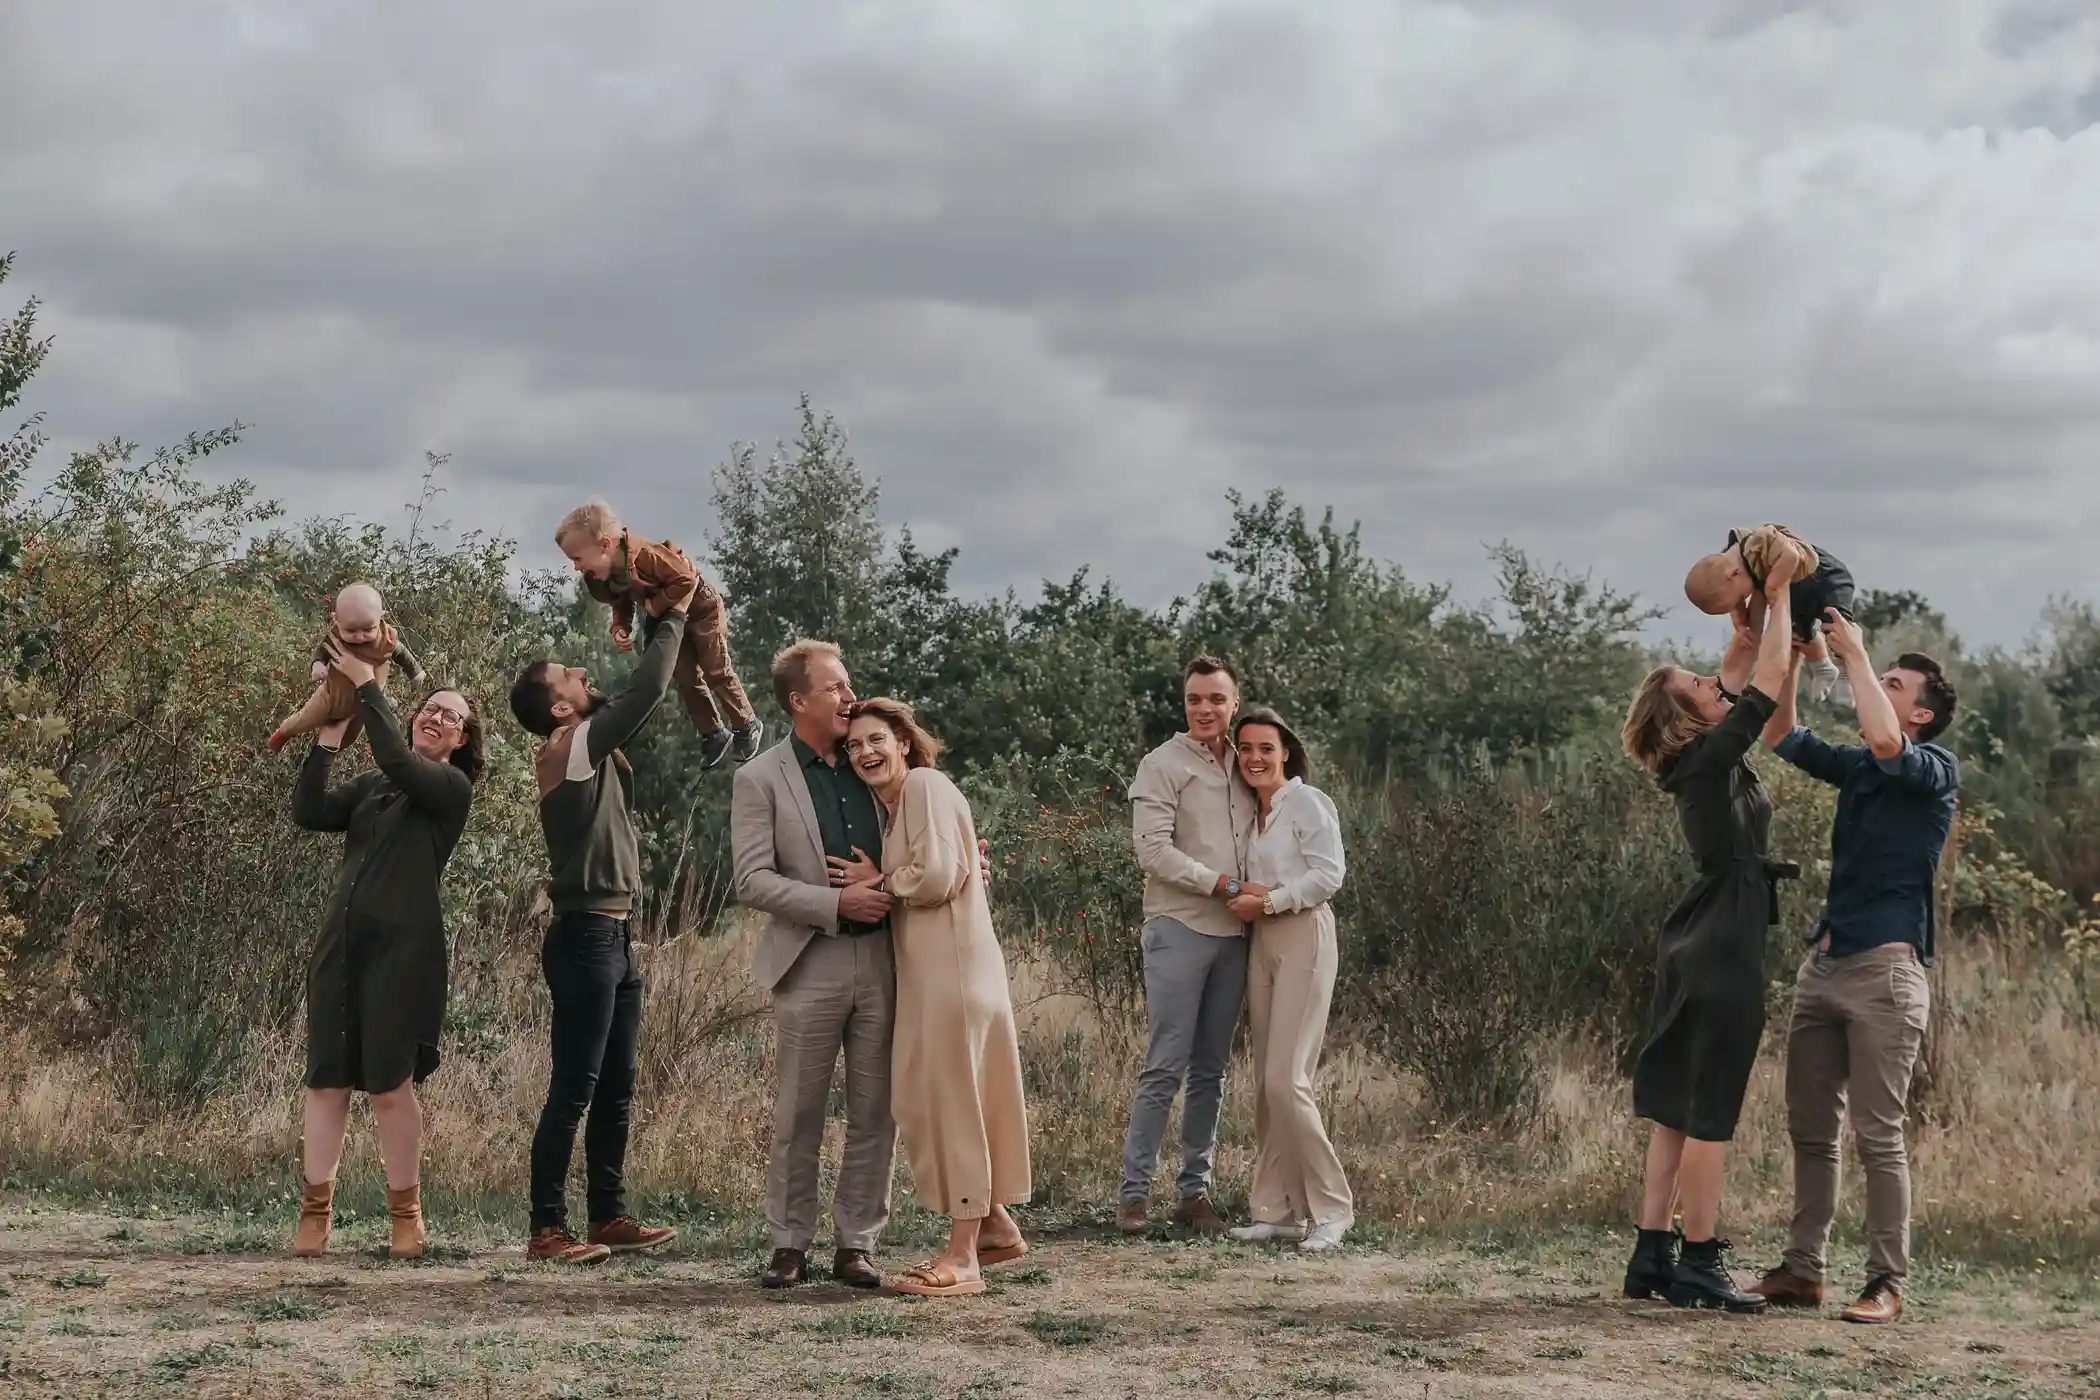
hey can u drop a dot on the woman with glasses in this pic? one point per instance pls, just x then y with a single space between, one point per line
375 990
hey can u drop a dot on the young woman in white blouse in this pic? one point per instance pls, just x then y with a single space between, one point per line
1296 866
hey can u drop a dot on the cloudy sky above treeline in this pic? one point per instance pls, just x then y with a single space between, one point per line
1599 277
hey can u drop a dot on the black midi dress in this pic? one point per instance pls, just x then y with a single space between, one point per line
376 985
1709 971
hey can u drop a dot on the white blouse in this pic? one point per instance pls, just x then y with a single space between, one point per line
1298 853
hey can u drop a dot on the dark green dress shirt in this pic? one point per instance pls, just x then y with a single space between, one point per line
847 816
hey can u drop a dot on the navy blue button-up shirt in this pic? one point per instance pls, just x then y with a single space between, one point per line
1893 815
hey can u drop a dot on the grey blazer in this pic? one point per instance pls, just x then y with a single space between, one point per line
779 853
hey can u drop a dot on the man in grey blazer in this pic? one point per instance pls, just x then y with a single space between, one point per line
825 957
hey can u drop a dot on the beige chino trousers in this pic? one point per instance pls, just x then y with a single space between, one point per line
1290 987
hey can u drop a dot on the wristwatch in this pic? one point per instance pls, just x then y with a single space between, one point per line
1232 888
1268 904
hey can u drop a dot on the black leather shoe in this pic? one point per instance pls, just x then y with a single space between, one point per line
789 1267
851 1267
1700 1281
1653 1266
714 748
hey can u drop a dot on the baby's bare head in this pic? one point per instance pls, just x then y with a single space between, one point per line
359 610
1717 583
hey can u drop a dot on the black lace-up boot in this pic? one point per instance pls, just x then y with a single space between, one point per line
1653 1266
1701 1281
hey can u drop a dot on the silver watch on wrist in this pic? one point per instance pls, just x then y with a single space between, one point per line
1232 888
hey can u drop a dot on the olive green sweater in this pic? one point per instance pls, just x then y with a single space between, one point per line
595 860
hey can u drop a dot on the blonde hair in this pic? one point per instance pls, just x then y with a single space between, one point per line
791 668
1659 726
593 519
1711 586
921 749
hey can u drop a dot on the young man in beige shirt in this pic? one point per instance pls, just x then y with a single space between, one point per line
1191 817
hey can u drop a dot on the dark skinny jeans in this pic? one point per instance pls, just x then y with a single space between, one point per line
591 974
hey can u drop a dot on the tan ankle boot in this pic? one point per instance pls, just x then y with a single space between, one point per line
405 1208
316 1214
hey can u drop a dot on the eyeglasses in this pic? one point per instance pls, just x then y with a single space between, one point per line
446 719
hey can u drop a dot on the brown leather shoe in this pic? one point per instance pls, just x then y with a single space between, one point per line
1783 1288
789 1267
853 1268
1198 1216
404 1209
1134 1217
316 1216
1880 1302
556 1244
624 1234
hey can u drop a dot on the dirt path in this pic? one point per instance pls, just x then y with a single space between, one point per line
100 1305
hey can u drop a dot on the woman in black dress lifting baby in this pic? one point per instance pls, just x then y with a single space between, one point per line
1694 733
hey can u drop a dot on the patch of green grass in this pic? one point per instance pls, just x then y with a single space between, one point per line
180 1321
230 1239
1034 1276
1324 1382
856 1324
79 1278
286 1307
397 1347
890 1381
1442 1283
1200 1272
1406 1351
984 1387
175 1365
1067 1330
1368 1326
1987 1348
1560 1351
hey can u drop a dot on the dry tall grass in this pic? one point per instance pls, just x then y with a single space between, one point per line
2005 1148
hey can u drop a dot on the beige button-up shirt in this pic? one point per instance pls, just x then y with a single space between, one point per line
1191 818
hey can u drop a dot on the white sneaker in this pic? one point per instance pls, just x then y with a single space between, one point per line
1325 1236
1261 1232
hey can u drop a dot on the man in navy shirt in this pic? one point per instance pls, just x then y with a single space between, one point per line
1861 998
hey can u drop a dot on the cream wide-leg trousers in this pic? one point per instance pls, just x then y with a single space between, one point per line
1290 986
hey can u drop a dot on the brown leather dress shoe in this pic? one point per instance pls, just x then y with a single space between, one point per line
556 1245
789 1267
852 1267
1882 1301
1783 1288
624 1234
1134 1217
1198 1216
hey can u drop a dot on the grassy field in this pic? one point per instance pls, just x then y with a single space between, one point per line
99 1300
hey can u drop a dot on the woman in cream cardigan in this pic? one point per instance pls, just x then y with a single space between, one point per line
1296 866
955 1068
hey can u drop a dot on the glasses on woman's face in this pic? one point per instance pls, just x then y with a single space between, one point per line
444 717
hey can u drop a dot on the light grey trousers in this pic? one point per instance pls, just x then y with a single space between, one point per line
1194 985
841 993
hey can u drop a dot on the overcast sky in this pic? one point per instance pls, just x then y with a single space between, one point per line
1601 277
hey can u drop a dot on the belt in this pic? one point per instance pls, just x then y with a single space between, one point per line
861 930
1774 871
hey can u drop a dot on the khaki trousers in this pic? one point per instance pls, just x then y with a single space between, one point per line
841 993
1290 986
1858 1022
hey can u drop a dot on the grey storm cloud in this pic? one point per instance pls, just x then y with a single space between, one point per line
1601 277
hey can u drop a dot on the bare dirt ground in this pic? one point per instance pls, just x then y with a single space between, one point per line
104 1304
